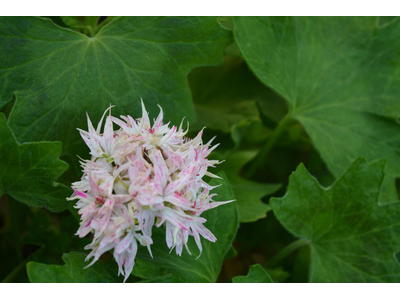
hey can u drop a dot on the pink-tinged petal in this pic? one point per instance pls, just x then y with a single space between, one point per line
134 125
121 124
101 120
145 122
207 234
214 204
90 125
169 234
213 175
125 243
80 194
197 240
158 122
178 200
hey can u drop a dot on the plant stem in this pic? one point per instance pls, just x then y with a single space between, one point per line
259 160
15 272
286 251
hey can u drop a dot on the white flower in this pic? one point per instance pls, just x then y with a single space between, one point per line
140 176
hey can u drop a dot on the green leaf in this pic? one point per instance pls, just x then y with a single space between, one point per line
226 95
88 25
56 237
232 252
384 21
28 171
248 131
169 278
79 21
223 222
257 274
58 74
340 78
247 193
352 237
72 272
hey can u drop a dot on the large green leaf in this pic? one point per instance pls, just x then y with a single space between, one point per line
257 274
58 74
340 78
72 272
28 171
247 193
223 222
352 237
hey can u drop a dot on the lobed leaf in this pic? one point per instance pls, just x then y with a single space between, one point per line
58 74
257 274
28 171
72 272
340 77
352 237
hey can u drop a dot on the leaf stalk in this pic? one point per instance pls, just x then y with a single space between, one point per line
275 260
261 156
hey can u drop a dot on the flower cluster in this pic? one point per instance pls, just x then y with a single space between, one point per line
140 176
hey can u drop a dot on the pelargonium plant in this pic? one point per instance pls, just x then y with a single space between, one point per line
142 175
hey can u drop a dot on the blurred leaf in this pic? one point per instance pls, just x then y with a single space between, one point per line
14 215
248 131
278 274
257 274
58 74
231 253
385 20
28 171
222 221
56 236
247 193
225 95
88 25
340 78
273 107
78 22
169 278
226 22
72 272
353 238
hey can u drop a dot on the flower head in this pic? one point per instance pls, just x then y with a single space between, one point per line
140 176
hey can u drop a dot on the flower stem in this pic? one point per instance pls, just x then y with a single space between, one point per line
275 260
15 272
259 159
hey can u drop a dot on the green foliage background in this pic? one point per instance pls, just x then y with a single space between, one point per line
306 110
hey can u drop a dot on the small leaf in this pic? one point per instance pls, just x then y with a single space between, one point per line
231 253
353 238
79 21
72 272
28 171
257 274
248 193
227 94
248 131
222 221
